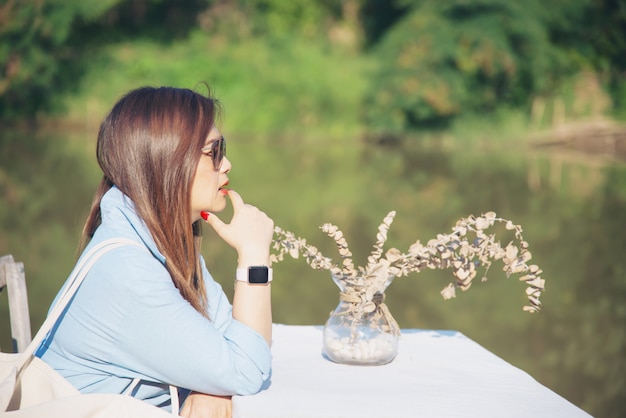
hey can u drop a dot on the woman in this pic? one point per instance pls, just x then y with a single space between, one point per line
153 313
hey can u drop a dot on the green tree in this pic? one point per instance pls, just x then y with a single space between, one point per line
447 58
34 54
378 16
46 45
336 20
594 32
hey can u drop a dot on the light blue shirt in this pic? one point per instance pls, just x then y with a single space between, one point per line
128 320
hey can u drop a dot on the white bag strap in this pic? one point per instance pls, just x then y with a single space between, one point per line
175 401
129 390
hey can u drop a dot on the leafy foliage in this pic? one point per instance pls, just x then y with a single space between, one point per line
438 60
447 58
35 56
280 18
594 32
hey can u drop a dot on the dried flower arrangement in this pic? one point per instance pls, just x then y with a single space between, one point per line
456 251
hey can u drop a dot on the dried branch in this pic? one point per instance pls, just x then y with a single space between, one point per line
463 251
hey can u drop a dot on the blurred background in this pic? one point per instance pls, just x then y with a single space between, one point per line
340 111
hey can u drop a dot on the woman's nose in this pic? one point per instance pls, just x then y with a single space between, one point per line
226 165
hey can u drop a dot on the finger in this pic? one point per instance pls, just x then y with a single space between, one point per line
216 223
235 199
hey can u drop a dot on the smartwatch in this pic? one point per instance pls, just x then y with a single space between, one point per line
254 275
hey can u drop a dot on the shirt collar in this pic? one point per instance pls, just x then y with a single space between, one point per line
118 212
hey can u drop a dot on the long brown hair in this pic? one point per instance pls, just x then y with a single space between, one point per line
149 146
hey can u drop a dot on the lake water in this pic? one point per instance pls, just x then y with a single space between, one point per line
572 209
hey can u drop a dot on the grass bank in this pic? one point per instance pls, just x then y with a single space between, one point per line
287 87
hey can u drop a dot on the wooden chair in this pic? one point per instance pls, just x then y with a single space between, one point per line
12 277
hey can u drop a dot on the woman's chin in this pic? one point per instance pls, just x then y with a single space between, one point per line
218 206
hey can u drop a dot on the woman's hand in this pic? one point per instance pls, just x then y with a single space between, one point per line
200 405
249 232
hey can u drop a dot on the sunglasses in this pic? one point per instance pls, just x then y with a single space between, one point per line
217 151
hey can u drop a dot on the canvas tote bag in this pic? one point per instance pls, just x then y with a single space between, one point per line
29 388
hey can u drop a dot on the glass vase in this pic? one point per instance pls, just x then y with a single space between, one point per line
361 330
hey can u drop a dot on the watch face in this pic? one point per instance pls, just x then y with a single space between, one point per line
257 274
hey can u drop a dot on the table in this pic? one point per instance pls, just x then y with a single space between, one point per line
436 374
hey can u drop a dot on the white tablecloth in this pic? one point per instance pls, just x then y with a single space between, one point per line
436 374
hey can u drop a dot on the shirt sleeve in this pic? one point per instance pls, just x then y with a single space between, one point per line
145 328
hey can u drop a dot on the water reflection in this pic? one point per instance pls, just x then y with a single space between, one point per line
573 216
46 184
44 177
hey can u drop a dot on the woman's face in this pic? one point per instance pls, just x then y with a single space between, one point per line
207 187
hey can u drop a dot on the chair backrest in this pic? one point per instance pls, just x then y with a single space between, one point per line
12 278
